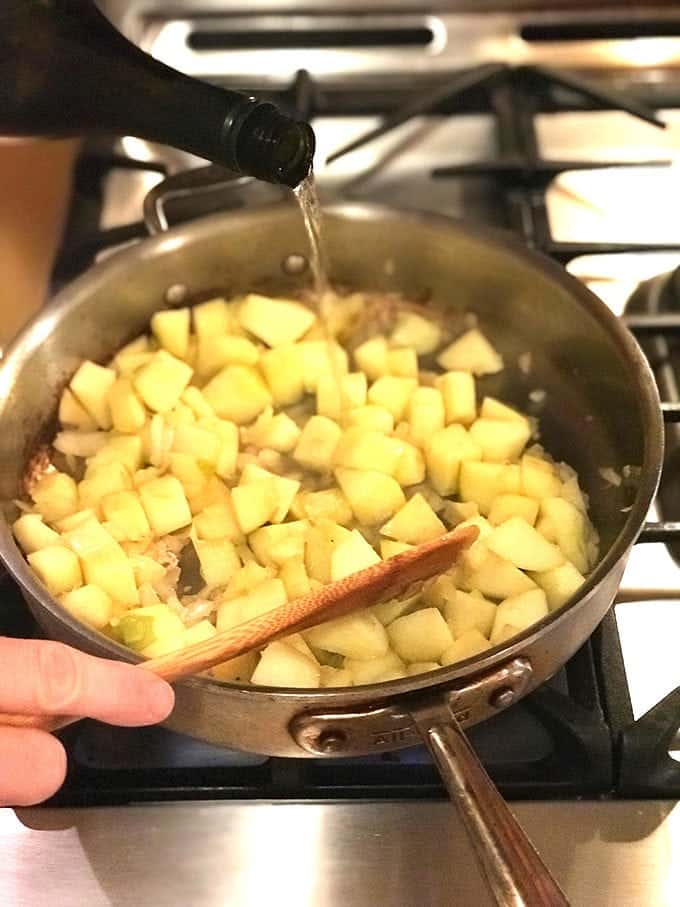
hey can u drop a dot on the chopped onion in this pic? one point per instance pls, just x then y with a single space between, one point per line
80 443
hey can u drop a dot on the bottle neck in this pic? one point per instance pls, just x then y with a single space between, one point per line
67 70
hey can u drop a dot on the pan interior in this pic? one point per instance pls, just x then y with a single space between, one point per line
554 339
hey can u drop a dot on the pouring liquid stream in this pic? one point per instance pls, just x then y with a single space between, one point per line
310 208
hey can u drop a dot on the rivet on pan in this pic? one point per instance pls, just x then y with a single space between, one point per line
502 698
294 265
176 294
331 741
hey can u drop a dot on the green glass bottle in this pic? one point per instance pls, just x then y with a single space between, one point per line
65 70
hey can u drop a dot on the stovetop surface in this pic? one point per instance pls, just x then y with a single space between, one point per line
519 150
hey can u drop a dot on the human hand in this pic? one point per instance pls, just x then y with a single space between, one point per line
47 678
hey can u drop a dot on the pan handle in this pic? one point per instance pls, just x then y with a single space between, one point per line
515 873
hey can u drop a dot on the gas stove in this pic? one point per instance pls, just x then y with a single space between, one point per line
561 126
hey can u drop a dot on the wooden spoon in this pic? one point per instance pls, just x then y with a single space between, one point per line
379 583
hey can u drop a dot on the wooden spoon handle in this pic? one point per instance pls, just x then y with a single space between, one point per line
379 583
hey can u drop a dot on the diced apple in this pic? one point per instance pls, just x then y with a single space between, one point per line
266 597
75 519
321 542
255 504
282 665
402 363
294 577
471 352
194 399
411 467
214 353
124 510
437 593
297 641
351 555
373 496
483 482
165 505
571 531
152 630
146 569
337 394
330 504
425 414
199 632
372 670
361 448
519 612
237 393
284 372
508 505
390 548
415 523
286 488
559 584
335 677
126 449
103 560
32 534
386 612
500 442
373 417
420 636
109 568
129 363
412 330
494 409
72 413
186 468
494 577
55 495
517 541
456 512
198 442
277 432
444 453
322 357
317 444
128 414
218 559
90 604
467 611
357 635
160 382
91 385
275 545
459 394
275 321
470 643
371 357
171 329
218 521
212 318
538 478
248 577
58 568
236 670
392 393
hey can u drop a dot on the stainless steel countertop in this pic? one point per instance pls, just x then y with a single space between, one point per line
395 854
